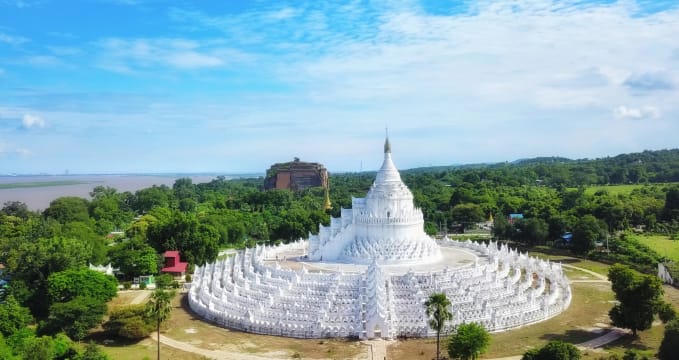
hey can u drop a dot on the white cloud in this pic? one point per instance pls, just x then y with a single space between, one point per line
190 60
130 55
44 60
30 121
647 112
12 40
282 14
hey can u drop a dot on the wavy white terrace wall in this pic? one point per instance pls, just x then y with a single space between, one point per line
503 290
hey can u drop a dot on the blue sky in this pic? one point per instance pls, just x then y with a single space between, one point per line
107 86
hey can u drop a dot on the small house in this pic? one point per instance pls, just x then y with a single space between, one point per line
173 265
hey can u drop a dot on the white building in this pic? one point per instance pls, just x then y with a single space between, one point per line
369 273
385 226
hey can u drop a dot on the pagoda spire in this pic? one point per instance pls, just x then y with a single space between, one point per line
387 145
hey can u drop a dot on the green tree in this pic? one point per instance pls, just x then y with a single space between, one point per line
159 308
468 342
672 204
156 196
92 352
437 309
6 351
554 350
467 214
502 229
16 208
670 341
131 322
532 231
37 348
586 232
13 316
66 285
639 298
134 258
198 243
68 209
31 262
75 317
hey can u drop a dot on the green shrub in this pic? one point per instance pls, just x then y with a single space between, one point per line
164 281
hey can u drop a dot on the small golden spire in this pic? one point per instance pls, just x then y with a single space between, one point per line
327 205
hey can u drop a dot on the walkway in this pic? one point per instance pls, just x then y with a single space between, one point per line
599 277
143 294
378 348
214 354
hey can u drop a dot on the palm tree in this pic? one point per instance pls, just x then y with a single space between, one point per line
437 309
159 307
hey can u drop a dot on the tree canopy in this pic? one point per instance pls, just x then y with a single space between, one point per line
468 342
639 298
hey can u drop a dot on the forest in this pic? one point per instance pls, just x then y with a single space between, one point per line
45 253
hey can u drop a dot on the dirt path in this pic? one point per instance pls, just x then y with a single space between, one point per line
143 294
378 348
609 337
599 277
214 354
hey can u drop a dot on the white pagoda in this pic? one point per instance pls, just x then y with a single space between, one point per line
369 273
385 226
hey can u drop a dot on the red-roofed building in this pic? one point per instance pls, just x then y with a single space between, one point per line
173 265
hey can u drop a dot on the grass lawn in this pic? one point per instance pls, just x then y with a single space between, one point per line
129 350
648 341
661 244
144 349
597 267
612 189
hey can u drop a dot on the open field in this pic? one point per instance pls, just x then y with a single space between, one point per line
597 267
661 244
612 189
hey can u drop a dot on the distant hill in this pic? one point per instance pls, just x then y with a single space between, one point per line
649 166
542 160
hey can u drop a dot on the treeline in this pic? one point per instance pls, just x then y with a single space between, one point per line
659 166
